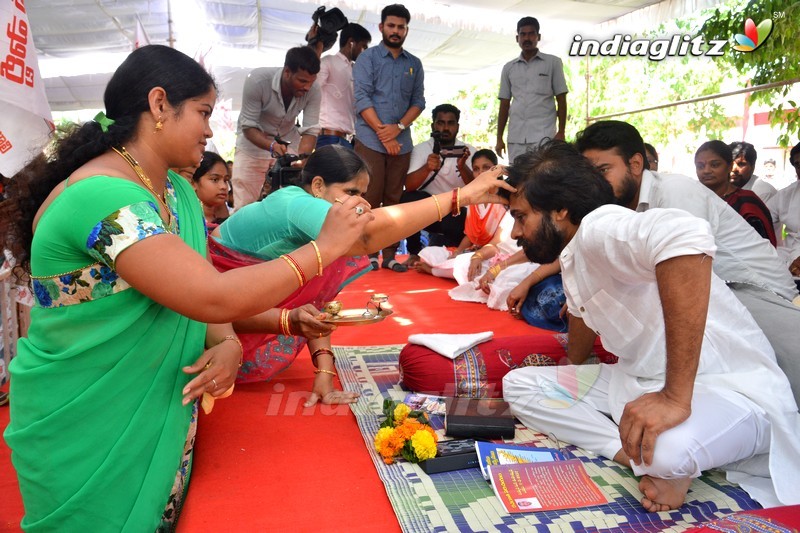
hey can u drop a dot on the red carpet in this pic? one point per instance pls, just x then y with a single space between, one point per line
263 462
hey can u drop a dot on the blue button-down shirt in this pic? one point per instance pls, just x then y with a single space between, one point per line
390 86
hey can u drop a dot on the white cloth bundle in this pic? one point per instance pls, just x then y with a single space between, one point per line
450 345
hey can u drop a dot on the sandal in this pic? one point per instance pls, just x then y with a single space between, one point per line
395 266
374 262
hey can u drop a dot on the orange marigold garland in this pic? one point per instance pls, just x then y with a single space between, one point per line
405 432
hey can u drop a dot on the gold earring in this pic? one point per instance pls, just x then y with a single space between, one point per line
159 125
317 195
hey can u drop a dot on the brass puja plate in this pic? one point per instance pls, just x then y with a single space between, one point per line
356 317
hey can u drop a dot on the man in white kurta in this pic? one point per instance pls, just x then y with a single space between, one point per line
692 390
749 264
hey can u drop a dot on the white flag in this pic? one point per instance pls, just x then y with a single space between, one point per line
141 36
26 121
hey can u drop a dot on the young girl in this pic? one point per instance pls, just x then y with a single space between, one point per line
211 182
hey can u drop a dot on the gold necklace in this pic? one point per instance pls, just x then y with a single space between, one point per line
145 180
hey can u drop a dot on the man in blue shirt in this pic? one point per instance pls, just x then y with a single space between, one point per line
389 96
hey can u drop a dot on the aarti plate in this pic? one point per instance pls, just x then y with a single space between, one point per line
357 317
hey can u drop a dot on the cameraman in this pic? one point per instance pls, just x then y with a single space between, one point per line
441 164
272 99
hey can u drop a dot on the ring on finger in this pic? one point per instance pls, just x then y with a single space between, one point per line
339 201
359 210
214 381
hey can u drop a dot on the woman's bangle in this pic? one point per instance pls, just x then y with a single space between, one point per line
319 257
319 352
438 207
456 202
284 325
539 276
495 270
323 371
235 339
476 255
294 265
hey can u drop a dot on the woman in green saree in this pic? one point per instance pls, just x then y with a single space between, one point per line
105 385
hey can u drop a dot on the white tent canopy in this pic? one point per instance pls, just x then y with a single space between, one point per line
81 42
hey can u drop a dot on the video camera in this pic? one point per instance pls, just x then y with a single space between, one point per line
328 24
282 173
445 151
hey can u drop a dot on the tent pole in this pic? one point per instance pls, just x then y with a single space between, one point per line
170 38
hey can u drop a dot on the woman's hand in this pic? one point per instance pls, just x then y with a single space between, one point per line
305 321
343 226
483 189
216 369
485 283
324 391
475 267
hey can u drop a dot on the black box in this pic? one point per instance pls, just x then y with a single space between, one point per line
482 418
452 455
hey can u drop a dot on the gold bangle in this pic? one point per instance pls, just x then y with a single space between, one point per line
235 339
536 273
476 255
438 207
285 324
322 371
319 257
458 202
294 268
495 270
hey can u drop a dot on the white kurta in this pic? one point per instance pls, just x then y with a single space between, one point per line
609 278
785 210
743 256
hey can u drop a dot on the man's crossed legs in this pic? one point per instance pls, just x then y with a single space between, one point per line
571 402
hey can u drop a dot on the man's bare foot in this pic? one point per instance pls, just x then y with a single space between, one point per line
423 267
663 494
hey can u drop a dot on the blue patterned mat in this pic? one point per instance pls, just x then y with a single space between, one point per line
464 501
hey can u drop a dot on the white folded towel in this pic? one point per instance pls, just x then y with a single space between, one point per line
450 346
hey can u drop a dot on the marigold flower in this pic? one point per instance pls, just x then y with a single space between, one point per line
381 438
424 445
413 438
401 413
